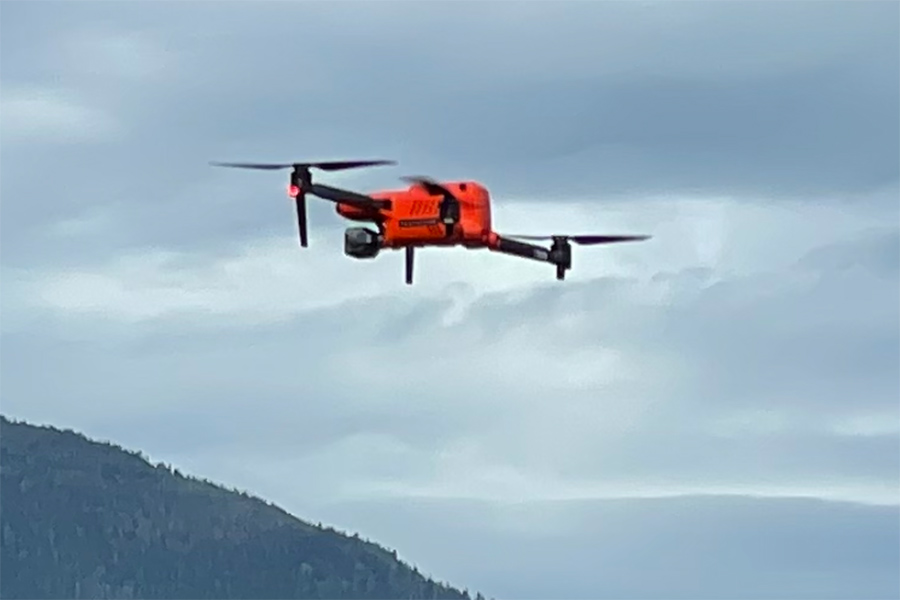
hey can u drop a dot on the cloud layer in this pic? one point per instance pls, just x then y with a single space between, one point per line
750 348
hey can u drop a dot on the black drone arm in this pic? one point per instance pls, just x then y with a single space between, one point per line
560 252
302 184
326 192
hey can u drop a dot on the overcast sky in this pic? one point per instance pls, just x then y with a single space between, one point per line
502 430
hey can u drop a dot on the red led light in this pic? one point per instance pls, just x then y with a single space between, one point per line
293 191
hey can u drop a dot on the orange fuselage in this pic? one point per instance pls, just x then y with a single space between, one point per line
412 216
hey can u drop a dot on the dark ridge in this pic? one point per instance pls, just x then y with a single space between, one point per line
85 519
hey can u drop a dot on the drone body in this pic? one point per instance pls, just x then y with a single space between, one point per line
426 213
415 216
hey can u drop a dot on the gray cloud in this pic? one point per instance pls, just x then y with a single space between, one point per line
800 390
773 101
647 548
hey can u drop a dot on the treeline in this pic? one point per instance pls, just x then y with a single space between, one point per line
82 519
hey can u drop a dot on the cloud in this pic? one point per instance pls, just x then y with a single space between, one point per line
749 349
764 548
490 380
108 54
596 101
41 116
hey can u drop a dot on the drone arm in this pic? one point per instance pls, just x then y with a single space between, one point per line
326 192
516 248
559 255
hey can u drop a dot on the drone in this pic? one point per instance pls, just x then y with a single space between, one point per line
428 213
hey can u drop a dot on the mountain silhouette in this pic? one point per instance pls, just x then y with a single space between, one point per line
84 519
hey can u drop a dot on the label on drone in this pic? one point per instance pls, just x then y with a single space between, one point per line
418 222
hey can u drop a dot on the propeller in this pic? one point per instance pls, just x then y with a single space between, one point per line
431 186
301 184
450 206
327 165
585 240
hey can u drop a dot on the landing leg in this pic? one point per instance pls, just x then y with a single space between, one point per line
410 255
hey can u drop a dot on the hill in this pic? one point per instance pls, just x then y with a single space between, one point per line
83 519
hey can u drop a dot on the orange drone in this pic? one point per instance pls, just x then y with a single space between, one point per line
427 213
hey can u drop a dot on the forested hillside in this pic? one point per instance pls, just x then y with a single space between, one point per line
82 519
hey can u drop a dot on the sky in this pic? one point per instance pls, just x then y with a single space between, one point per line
716 407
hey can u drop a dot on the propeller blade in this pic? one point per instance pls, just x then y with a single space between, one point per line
336 165
607 239
328 165
301 219
297 192
586 239
263 166
432 186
